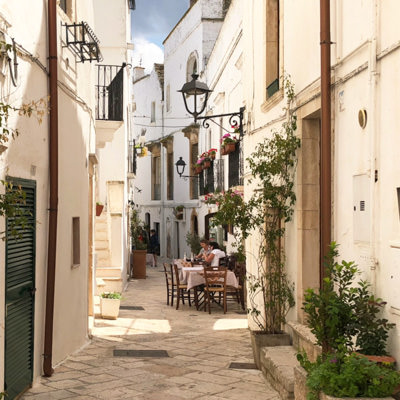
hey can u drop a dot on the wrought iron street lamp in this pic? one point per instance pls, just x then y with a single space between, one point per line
199 90
180 169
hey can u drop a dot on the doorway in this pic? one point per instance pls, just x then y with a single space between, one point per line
20 294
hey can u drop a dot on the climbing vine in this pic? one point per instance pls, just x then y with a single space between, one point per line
272 167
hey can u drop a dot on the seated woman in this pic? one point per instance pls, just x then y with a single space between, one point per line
215 255
205 249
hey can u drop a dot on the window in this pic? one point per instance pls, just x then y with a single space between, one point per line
153 112
170 175
272 47
191 66
194 183
76 242
63 5
168 98
156 174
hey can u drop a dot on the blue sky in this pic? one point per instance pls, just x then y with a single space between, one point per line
151 22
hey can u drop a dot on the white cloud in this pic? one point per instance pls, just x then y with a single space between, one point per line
146 54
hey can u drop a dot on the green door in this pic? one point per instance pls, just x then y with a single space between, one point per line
20 295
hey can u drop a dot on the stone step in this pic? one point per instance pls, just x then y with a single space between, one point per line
107 271
101 235
304 340
102 244
110 285
278 364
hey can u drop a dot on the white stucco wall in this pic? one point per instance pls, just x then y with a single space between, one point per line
370 152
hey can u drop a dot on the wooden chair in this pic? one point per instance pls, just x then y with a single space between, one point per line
215 282
180 289
239 294
169 280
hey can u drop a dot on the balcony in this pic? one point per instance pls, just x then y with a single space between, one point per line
212 179
109 101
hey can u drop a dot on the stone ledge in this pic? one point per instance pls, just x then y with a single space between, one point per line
277 364
304 339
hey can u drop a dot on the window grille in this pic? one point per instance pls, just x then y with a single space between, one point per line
109 92
83 42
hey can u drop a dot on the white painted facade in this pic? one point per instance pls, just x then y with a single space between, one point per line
112 138
365 205
192 38
27 157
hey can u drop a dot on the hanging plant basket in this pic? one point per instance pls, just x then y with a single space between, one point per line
229 147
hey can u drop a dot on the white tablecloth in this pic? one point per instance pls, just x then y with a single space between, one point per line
192 277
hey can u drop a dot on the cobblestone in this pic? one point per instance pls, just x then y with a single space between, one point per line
200 348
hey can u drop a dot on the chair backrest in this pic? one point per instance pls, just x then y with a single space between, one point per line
240 272
176 274
223 261
169 276
215 276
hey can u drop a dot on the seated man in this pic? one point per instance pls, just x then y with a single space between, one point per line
205 249
215 255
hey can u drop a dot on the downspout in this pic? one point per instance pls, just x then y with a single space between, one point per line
326 173
53 209
374 140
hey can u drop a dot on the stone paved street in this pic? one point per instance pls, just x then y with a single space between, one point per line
200 348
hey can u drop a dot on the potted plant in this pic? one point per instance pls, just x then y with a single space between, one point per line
178 212
343 375
193 241
109 305
272 167
228 143
139 246
99 208
353 342
141 151
198 167
212 153
206 160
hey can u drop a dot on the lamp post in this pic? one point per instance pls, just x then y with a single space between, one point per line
180 169
199 89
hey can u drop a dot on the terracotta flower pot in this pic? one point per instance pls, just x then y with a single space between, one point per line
99 209
198 169
229 147
139 264
212 156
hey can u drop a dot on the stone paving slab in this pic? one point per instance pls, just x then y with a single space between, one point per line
200 348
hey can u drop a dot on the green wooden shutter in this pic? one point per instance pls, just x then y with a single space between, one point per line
20 288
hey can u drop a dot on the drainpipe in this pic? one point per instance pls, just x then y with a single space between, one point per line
374 139
325 174
53 209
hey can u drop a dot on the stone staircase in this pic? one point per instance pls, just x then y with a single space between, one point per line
108 277
280 366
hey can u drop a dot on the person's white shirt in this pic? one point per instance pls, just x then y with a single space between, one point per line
217 255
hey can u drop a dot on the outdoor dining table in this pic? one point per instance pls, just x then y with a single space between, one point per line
193 276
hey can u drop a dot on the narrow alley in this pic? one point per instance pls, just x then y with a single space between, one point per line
199 350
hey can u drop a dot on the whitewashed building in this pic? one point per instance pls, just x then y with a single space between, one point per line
48 288
172 134
284 37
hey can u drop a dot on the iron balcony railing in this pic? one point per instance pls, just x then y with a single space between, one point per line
235 166
132 157
110 92
212 179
